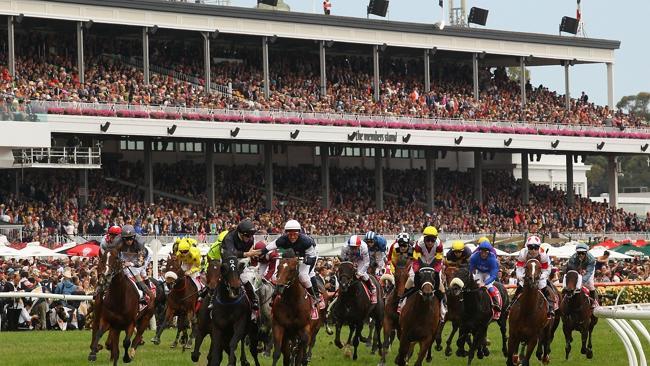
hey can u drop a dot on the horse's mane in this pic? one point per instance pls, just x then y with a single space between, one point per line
289 253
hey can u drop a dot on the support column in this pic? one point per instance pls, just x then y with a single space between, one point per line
323 76
525 183
567 91
612 179
478 176
522 67
379 179
325 175
475 74
430 173
17 184
268 174
11 51
610 86
427 72
148 173
83 188
375 63
570 195
209 172
206 61
145 55
80 52
265 66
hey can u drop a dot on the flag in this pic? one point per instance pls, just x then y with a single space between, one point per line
578 11
440 2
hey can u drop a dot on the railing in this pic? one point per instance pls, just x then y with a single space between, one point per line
617 317
82 157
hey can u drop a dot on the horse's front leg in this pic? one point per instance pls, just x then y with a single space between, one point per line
337 337
94 343
129 352
504 338
357 336
239 332
278 338
566 328
450 338
191 323
425 349
166 320
590 352
584 334
474 345
216 348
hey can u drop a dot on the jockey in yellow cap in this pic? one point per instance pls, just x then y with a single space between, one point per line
190 260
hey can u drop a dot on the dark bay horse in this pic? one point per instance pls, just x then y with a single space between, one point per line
454 316
528 321
477 313
419 319
577 314
181 302
353 307
231 317
291 314
391 317
204 323
119 308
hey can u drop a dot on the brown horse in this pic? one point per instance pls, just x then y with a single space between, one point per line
577 314
527 321
204 324
454 315
391 317
181 302
291 314
119 308
419 319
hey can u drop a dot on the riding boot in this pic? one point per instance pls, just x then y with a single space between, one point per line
212 297
547 295
593 294
252 296
495 301
313 291
443 304
518 291
143 286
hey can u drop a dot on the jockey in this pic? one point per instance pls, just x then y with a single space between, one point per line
458 255
136 258
585 264
401 249
107 239
533 251
485 266
356 251
376 249
305 247
485 239
215 249
239 243
190 260
266 264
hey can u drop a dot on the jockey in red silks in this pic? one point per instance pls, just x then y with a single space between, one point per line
356 251
533 250
266 264
113 232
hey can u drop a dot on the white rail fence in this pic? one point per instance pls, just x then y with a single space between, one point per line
617 316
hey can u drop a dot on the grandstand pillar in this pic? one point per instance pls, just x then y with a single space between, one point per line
80 51
610 86
148 173
525 183
209 171
522 80
379 179
475 74
265 66
570 196
145 54
268 174
478 176
17 185
325 175
567 91
427 72
11 52
375 63
323 77
430 179
206 60
83 188
612 179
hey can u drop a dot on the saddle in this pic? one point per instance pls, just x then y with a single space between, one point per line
371 297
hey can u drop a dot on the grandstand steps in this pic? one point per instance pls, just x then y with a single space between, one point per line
155 191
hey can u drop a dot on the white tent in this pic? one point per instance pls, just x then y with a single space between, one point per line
6 251
34 249
599 250
64 248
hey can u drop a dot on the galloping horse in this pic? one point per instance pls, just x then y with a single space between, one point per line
204 324
291 314
391 317
477 312
420 318
119 308
353 307
454 315
528 322
577 314
231 317
264 291
181 302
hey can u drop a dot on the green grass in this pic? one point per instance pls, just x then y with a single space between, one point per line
71 348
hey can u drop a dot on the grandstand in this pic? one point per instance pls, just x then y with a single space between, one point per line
418 118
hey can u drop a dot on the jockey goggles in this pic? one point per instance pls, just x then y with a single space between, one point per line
184 251
533 247
430 238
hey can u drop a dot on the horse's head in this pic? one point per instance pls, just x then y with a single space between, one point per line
450 272
109 264
230 276
287 272
533 272
174 265
213 275
427 282
401 275
571 285
461 281
61 312
346 275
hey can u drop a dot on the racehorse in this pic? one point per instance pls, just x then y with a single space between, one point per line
420 318
391 317
577 314
119 308
454 315
291 314
181 302
204 324
231 317
477 313
264 291
528 321
353 307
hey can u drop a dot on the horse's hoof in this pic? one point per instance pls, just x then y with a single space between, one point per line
126 358
546 359
245 363
515 359
583 351
338 344
429 359
196 356
590 354
92 357
486 352
131 352
99 347
448 352
461 353
155 341
173 345
438 348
